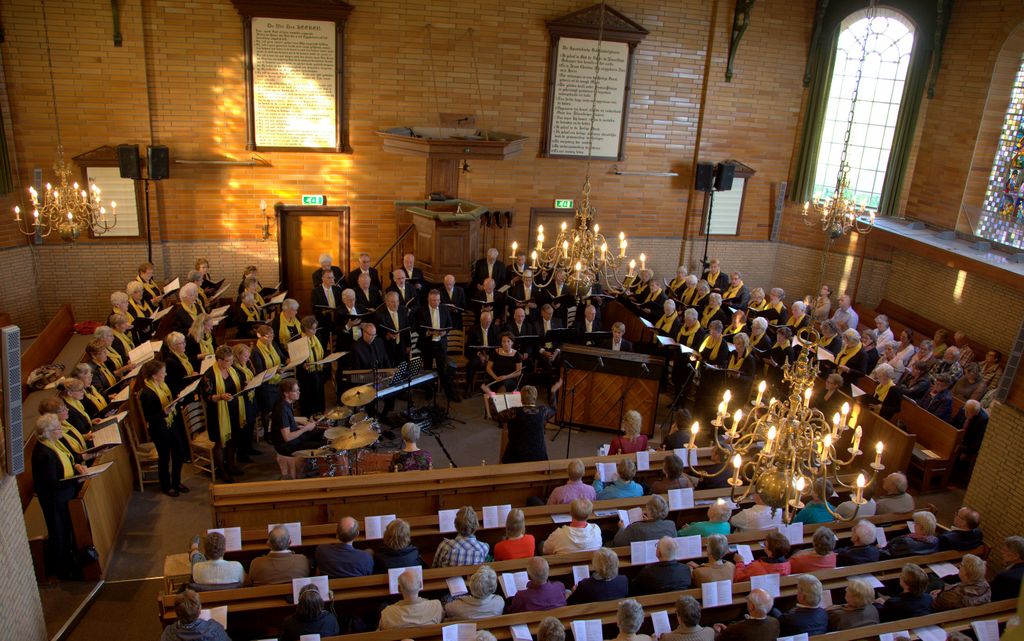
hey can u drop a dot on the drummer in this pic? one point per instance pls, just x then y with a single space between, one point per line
370 353
289 432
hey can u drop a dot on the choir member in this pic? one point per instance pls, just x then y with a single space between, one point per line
267 354
489 267
164 426
678 284
327 266
93 401
224 412
286 325
737 295
187 308
526 295
714 277
713 311
246 428
668 324
413 274
311 376
454 298
152 292
53 465
199 343
481 339
433 342
180 367
365 267
367 296
504 367
393 320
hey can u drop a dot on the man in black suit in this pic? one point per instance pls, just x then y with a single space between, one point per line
939 400
413 274
326 266
522 326
452 297
808 615
514 272
526 295
433 342
617 342
557 296
1006 584
586 324
365 267
393 321
550 349
404 288
371 353
667 575
973 420
325 298
367 296
489 300
966 532
347 332
757 626
482 335
489 267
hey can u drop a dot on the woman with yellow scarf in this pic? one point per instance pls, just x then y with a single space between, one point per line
72 392
739 372
72 439
199 342
246 371
851 362
312 377
164 424
180 368
224 412
93 401
139 311
265 355
52 465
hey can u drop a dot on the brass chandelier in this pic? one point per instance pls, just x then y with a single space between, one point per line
782 447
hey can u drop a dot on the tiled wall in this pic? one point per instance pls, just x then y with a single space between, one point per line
21 616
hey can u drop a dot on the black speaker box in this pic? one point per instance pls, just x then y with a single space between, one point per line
159 162
705 176
128 161
724 173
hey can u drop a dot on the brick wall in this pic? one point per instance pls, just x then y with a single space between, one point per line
22 614
18 296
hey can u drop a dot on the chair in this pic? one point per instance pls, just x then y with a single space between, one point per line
199 444
145 457
456 347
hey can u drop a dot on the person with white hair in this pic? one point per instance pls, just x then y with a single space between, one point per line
807 616
578 535
364 266
688 614
851 363
52 465
886 399
550 629
630 616
884 333
689 292
972 589
894 499
713 312
666 575
759 339
654 524
1006 584
678 283
757 626
798 317
481 602
668 324
187 308
287 326
604 583
280 565
922 540
413 610
326 265
845 317
863 546
858 610
717 568
488 267
717 523
775 310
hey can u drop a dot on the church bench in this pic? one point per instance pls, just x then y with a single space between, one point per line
937 445
324 500
886 571
49 343
951 620
364 593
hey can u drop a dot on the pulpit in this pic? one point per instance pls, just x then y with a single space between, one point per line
445 237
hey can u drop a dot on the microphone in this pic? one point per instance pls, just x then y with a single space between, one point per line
644 367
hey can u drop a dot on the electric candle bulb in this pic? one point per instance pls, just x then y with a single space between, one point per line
761 387
860 489
597 228
737 462
770 442
604 250
856 438
693 434
643 260
727 396
845 411
878 454
515 246
800 484
564 225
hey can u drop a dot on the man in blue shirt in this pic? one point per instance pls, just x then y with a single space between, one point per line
464 549
338 560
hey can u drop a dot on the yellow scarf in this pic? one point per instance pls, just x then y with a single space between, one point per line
758 307
848 354
125 341
114 357
206 345
665 322
257 298
794 321
736 360
76 405
652 295
139 310
697 300
224 407
187 364
191 309
97 399
251 314
709 312
164 394
755 341
285 335
882 390
733 291
150 287
270 359
73 436
778 307
686 335
713 278
676 283
102 367
707 343
730 330
316 352
63 455
688 295
246 377
203 298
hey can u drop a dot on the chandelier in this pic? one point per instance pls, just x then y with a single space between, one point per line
65 207
581 252
783 446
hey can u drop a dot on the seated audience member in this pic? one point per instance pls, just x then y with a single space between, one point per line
673 477
863 546
309 617
921 541
914 384
859 609
894 498
574 488
540 594
623 487
339 560
633 440
464 549
630 617
578 535
213 569
481 602
821 556
398 550
973 420
774 561
690 629
913 601
717 523
847 509
965 533
817 509
972 589
991 370
550 629
718 481
808 615
604 584
886 399
717 568
948 364
188 626
413 610
653 526
411 457
757 626
664 576
970 386
938 400
1006 584
280 565
517 544
678 434
758 516
845 316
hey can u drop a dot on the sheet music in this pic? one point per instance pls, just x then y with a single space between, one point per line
512 582
220 292
458 632
687 547
825 355
219 311
795 637
172 286
643 552
232 537
495 515
207 363
561 518
142 353
880 538
892 636
520 632
276 300
298 352
606 472
643 461
330 358
870 579
943 569
191 387
375 526
587 630
767 582
294 531
394 573
106 436
160 313
745 553
660 622
930 633
446 520
793 532
857 392
113 421
92 471
218 614
319 581
687 455
715 593
580 572
987 630
120 397
680 499
910 526
456 585
826 599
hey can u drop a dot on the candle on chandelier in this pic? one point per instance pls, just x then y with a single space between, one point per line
770 442
727 396
845 411
737 462
579 268
604 251
540 237
693 434
643 261
737 418
761 387
799 484
807 206
565 249
807 395
721 410
878 454
632 268
622 244
515 246
856 439
564 225
860 489
17 214
826 446
533 257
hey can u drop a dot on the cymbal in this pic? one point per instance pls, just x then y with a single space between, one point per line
334 432
364 426
355 440
338 413
359 396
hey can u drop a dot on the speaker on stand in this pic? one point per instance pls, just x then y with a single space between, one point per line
712 178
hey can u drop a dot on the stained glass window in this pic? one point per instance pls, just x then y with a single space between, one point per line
1002 214
884 42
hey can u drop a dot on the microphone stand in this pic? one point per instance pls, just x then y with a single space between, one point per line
572 401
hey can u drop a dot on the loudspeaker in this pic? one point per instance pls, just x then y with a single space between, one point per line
159 162
128 161
10 378
724 173
705 177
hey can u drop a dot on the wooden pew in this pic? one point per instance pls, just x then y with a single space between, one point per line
362 594
937 445
325 500
45 348
958 620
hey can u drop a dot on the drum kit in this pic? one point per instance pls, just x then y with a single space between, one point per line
348 434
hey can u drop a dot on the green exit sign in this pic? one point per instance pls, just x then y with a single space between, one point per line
314 199
563 203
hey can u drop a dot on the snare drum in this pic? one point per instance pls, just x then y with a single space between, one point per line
324 463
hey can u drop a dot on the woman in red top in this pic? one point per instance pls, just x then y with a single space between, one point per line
821 557
633 441
774 561
517 544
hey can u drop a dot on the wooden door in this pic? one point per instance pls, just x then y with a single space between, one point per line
306 233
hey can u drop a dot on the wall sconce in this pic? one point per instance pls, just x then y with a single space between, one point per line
266 220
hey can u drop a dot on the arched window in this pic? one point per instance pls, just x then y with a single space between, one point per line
1002 214
884 43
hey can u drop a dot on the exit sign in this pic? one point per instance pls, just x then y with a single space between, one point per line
313 199
563 203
